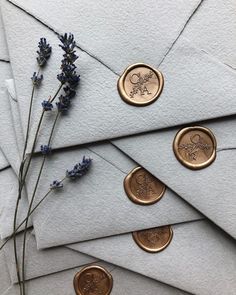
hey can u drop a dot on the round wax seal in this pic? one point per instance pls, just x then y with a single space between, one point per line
142 187
140 84
155 239
93 280
195 147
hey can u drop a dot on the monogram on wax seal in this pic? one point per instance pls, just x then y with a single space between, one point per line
93 280
140 84
195 147
142 187
155 239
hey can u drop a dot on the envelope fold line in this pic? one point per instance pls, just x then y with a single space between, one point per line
54 31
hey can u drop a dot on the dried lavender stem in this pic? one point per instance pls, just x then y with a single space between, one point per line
32 200
31 212
19 183
22 178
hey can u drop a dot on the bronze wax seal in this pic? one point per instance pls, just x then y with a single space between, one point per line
155 239
142 187
140 84
195 147
93 280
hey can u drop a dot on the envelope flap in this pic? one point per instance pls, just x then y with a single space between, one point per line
217 204
3 161
41 263
3 48
192 80
82 213
198 252
149 31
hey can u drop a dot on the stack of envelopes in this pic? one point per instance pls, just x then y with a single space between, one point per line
156 212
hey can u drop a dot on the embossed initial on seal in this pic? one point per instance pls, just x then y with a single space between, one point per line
140 84
142 187
93 280
154 239
195 147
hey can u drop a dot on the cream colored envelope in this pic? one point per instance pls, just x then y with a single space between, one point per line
200 259
112 36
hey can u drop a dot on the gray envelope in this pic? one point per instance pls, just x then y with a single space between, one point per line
192 76
109 169
124 282
210 190
200 259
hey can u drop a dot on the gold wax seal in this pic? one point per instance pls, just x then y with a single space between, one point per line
142 187
155 239
93 280
195 147
140 84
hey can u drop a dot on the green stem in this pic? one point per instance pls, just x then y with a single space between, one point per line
31 203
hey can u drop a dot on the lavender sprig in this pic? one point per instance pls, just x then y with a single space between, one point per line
79 169
44 52
56 184
68 75
36 79
45 149
69 79
47 105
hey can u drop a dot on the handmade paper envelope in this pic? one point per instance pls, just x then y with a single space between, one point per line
42 263
200 259
210 190
49 262
197 85
3 161
79 210
124 282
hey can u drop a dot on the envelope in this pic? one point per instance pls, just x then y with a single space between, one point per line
42 263
9 155
200 259
110 167
47 268
3 161
192 76
61 282
213 189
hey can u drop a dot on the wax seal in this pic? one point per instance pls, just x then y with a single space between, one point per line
93 280
155 239
195 147
142 187
140 84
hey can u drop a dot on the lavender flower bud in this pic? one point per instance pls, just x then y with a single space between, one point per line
56 184
36 79
44 52
47 106
79 169
45 149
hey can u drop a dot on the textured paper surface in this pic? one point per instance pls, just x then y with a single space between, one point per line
124 282
148 26
3 45
200 259
15 113
191 91
42 263
211 26
82 210
210 190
